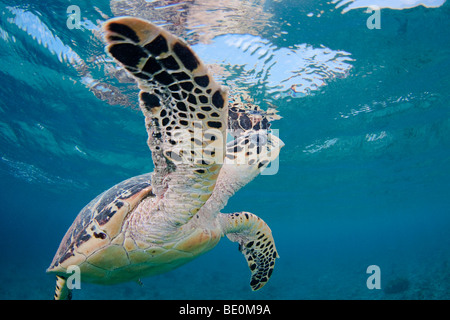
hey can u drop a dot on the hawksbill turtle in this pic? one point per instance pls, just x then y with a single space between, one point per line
158 221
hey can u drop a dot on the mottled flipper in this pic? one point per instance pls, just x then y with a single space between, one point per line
255 242
61 291
186 112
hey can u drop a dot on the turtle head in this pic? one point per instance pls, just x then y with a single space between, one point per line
249 155
252 152
246 157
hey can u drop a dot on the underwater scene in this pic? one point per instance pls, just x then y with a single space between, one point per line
358 92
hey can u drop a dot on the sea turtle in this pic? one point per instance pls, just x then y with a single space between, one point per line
241 117
159 221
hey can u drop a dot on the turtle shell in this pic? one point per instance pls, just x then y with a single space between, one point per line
102 219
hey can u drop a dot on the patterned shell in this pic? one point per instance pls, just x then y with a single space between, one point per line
119 200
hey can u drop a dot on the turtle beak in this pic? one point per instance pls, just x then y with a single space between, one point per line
276 142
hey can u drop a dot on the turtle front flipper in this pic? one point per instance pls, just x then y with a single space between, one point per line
62 292
186 113
255 242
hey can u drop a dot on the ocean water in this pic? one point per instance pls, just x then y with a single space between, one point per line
363 178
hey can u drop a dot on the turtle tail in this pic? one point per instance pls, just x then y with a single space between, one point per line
255 242
62 292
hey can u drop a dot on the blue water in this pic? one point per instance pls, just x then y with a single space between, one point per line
363 178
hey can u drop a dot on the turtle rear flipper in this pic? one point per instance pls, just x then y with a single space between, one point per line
62 292
255 242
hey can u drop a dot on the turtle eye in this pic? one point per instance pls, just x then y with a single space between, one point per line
245 122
